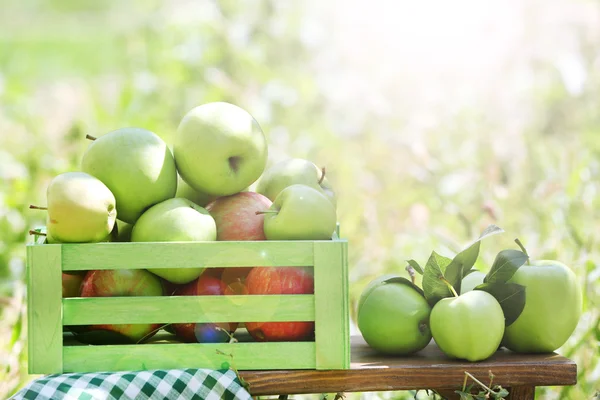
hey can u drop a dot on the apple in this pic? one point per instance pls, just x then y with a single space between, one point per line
71 283
220 149
236 219
205 285
553 305
294 171
124 232
187 192
469 326
136 165
175 220
125 282
470 281
300 213
80 209
393 317
280 280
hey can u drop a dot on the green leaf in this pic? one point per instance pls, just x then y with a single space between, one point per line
463 262
500 394
505 265
416 266
434 286
404 281
463 395
511 297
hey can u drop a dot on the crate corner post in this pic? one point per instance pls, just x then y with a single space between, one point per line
332 330
44 308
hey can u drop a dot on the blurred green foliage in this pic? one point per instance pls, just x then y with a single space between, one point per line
73 68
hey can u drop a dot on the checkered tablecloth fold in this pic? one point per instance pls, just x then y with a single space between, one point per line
176 384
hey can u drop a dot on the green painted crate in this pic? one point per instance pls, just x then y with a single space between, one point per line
48 312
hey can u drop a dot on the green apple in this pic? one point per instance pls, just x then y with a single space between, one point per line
220 149
393 317
136 165
469 326
300 213
553 305
175 220
124 233
294 171
185 191
470 281
80 208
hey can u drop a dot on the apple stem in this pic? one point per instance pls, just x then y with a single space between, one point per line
32 207
267 212
479 382
450 286
90 137
322 175
32 232
523 249
411 271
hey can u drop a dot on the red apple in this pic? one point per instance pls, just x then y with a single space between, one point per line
236 219
280 280
71 283
205 285
126 282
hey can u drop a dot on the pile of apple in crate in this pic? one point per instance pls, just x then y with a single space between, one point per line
133 188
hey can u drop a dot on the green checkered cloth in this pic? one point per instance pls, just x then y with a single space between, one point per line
184 384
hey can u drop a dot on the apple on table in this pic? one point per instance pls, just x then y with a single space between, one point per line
553 306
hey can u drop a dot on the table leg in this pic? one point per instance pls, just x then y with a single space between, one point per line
521 393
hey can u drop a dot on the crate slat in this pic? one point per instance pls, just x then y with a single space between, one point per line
177 309
45 333
78 257
283 355
331 324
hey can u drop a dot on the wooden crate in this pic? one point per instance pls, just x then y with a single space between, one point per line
48 312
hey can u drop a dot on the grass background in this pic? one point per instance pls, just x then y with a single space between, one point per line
433 120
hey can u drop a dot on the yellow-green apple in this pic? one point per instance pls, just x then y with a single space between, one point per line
553 305
175 220
280 280
205 285
80 207
236 219
300 213
136 165
122 283
393 317
294 171
469 326
219 149
469 282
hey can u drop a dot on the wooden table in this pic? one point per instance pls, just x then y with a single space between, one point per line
428 369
